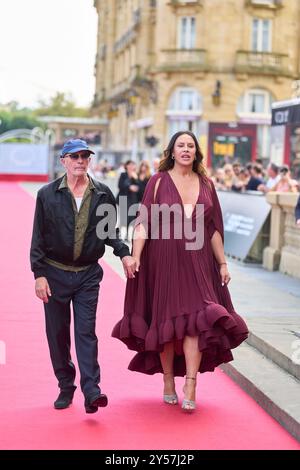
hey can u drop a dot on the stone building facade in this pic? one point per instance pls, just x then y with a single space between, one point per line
211 66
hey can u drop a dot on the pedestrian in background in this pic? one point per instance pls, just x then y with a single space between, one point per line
128 188
144 174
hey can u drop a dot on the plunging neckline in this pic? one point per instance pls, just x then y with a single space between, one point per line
181 201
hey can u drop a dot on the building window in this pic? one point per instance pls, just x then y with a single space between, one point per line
187 32
184 111
255 101
255 107
185 99
261 35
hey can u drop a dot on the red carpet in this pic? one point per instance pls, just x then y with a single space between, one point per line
136 418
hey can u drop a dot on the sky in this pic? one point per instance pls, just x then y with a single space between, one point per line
47 46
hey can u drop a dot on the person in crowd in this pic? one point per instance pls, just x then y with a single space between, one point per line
219 179
256 178
128 188
64 255
178 314
286 183
237 184
155 165
273 178
228 176
144 174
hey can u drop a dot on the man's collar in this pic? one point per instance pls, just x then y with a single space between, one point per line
64 183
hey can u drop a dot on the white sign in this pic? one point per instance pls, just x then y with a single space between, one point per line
25 159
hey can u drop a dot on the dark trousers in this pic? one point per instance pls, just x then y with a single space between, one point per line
82 290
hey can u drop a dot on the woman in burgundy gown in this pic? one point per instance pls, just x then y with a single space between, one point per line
178 314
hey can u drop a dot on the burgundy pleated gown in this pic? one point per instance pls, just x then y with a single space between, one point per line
178 292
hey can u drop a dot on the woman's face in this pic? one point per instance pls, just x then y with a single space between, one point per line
184 150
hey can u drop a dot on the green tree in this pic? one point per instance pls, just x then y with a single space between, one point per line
61 104
17 119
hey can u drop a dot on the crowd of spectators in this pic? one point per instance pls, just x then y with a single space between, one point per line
254 177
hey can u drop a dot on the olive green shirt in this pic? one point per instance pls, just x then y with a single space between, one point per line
81 224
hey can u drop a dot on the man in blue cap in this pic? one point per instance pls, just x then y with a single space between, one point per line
71 229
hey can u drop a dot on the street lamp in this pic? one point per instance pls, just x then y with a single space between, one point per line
216 96
133 97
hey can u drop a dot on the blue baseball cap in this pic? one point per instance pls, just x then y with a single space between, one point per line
75 145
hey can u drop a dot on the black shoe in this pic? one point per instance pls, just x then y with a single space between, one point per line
94 402
64 400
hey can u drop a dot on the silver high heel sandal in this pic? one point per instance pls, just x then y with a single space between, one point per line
171 399
189 405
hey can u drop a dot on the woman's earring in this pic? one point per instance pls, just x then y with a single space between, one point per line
173 157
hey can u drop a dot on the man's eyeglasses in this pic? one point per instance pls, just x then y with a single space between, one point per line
75 156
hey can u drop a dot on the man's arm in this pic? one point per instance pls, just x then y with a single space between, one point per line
37 250
37 253
120 249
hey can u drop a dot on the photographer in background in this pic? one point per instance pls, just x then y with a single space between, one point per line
286 184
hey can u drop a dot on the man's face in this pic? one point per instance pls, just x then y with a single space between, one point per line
76 163
236 169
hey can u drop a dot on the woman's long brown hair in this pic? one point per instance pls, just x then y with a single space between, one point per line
167 162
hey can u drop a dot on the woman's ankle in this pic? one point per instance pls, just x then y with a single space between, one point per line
189 388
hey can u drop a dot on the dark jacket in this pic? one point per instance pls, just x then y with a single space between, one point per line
54 227
297 209
124 183
132 198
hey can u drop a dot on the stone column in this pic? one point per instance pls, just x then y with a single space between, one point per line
290 253
271 255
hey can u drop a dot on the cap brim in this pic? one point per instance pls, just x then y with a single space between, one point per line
78 149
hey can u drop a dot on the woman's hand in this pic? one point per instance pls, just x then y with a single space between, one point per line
224 273
129 266
137 263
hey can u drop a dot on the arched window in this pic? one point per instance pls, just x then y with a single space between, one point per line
254 106
184 111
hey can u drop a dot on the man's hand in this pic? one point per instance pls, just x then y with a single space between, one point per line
130 265
298 222
42 289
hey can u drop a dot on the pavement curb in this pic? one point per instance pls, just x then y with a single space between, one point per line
274 354
283 418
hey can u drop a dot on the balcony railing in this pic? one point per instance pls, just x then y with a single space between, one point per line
265 3
176 59
130 35
185 2
123 86
264 63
